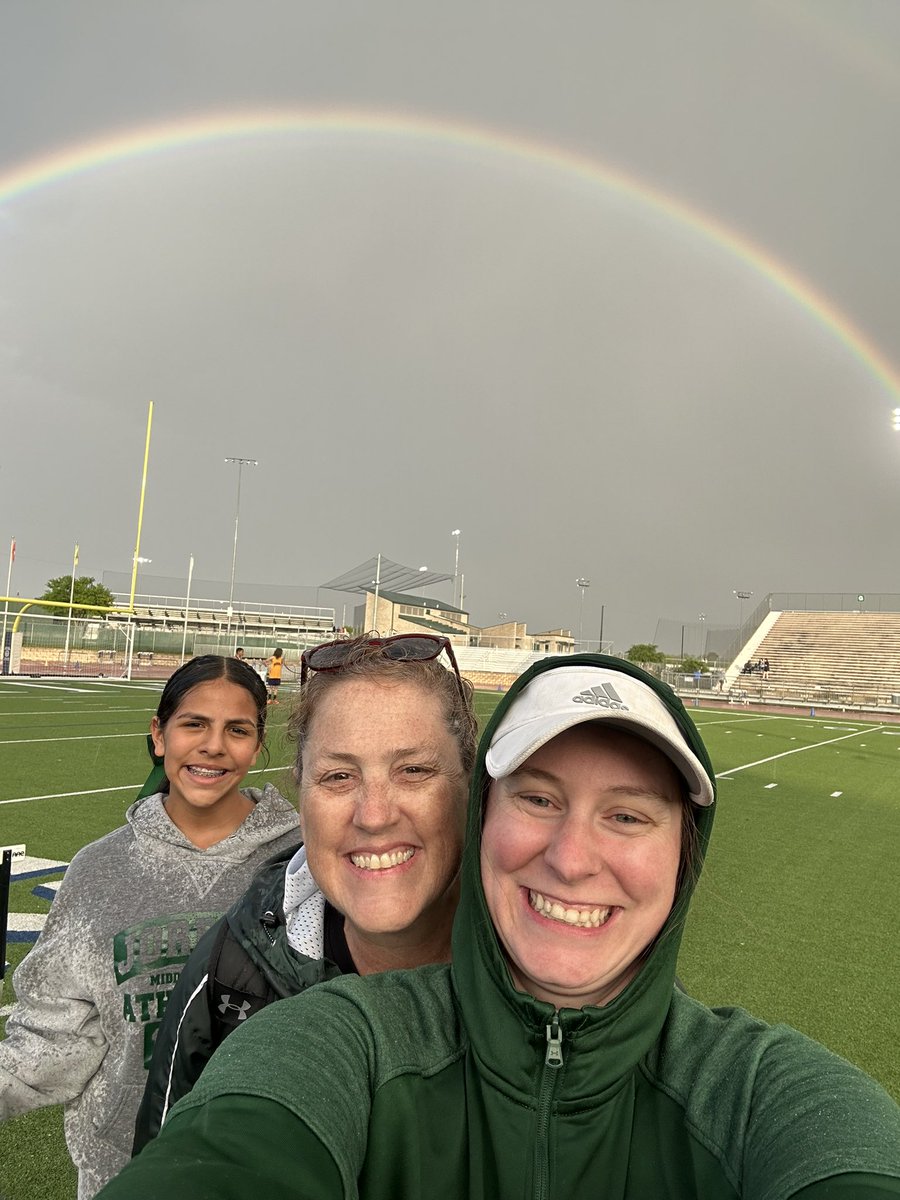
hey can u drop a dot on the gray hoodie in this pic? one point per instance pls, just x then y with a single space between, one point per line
92 992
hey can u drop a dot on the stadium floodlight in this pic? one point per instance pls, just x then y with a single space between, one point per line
584 584
241 463
895 420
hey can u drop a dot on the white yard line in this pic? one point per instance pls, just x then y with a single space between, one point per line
797 750
92 686
740 720
69 712
81 737
125 787
50 687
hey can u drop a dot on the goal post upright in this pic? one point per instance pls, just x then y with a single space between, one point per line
140 521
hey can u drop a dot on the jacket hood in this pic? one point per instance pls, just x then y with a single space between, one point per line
272 819
629 1024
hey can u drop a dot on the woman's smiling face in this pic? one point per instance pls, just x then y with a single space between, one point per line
579 861
382 805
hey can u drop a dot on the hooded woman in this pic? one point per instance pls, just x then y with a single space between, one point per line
555 1057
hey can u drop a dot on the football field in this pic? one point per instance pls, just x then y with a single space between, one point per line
793 919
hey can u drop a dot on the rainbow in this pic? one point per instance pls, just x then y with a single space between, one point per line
235 127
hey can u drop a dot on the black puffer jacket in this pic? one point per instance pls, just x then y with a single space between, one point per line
240 965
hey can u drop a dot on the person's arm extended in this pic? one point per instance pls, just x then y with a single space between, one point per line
54 1040
232 1147
184 1043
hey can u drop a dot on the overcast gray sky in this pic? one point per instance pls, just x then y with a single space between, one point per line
415 333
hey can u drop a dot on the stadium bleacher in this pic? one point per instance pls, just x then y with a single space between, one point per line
851 657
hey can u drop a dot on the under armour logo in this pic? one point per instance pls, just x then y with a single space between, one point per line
241 1009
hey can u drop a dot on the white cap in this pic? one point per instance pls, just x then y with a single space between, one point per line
556 700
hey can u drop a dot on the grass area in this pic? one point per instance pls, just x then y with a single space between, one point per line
793 918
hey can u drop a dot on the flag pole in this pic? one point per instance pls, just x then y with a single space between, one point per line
7 658
137 544
377 586
187 607
71 598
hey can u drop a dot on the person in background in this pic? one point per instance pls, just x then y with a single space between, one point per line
385 739
273 674
554 1057
131 908
239 653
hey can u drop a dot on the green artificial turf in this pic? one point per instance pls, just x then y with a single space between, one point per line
793 917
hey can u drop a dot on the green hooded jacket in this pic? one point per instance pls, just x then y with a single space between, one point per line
447 1083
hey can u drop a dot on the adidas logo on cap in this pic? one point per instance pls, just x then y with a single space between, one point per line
602 696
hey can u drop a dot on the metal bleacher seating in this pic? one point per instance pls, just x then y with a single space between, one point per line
846 655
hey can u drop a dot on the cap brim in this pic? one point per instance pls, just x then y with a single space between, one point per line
560 699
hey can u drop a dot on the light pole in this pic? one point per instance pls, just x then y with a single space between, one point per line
454 533
742 596
584 584
241 463
701 617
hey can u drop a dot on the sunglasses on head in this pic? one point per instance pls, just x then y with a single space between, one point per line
402 647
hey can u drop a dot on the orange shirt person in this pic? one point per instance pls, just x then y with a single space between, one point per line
273 674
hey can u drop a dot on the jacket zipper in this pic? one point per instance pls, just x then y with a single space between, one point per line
553 1060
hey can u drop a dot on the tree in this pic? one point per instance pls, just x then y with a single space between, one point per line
689 665
645 652
87 591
